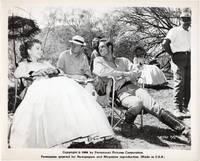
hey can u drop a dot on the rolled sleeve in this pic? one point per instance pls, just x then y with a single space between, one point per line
103 70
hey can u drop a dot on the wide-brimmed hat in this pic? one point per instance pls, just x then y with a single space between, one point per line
78 40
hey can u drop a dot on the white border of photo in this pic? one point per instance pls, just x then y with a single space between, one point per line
35 154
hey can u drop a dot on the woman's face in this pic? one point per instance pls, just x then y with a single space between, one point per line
103 49
35 52
140 53
95 43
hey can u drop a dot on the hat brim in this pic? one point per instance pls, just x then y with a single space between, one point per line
185 16
75 42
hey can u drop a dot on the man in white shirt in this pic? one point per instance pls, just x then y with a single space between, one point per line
177 43
74 62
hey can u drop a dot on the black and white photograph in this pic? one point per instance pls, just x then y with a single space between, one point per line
117 81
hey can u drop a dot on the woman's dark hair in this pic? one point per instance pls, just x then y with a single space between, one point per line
25 46
139 48
108 43
96 39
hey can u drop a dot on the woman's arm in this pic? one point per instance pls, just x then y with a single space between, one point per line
22 70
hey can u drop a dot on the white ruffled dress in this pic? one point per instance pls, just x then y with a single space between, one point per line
57 110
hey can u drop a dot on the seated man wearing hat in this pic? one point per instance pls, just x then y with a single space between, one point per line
177 43
73 62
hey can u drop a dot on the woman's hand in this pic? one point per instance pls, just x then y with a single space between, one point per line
46 72
41 72
78 78
52 72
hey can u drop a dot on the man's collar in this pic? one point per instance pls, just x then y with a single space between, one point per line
181 27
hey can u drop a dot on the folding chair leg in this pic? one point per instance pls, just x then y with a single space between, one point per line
120 120
117 123
141 125
121 115
9 133
15 100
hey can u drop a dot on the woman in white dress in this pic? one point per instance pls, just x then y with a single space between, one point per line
55 110
151 74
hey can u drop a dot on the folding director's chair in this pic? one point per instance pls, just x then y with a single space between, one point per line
118 109
21 86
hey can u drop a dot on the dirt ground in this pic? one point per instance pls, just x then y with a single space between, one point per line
153 135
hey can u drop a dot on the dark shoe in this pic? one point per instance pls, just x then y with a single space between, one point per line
173 122
187 134
129 117
129 130
178 114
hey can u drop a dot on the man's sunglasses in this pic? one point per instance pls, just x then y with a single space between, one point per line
186 19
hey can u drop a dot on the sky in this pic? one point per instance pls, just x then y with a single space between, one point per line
38 13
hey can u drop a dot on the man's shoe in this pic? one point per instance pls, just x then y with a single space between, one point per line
129 130
126 129
187 134
172 121
178 114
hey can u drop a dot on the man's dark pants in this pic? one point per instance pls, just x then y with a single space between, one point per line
182 78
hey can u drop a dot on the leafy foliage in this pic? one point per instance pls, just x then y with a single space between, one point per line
20 28
146 26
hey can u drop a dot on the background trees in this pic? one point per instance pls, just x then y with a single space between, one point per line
146 26
127 27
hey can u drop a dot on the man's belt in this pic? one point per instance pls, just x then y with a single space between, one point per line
183 52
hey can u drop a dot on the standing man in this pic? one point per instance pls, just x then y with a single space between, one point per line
74 62
177 43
